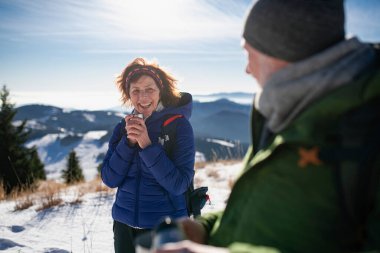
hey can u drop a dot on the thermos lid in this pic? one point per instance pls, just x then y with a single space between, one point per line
166 223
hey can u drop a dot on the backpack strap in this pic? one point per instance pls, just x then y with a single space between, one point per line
171 119
355 158
168 132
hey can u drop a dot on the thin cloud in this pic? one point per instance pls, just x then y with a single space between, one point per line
126 21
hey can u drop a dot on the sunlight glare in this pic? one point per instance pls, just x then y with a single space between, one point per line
169 20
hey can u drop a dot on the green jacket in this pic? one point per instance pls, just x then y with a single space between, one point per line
285 202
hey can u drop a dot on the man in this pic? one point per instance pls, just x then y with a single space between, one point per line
310 180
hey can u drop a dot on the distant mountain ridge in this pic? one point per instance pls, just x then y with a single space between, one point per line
237 97
228 94
220 128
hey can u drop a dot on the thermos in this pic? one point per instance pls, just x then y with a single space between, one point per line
167 231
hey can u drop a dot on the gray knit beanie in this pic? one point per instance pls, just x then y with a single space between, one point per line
293 30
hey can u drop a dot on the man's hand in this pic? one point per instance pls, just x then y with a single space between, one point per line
196 235
193 230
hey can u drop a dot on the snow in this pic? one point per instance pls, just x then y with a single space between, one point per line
218 178
199 157
120 114
87 226
221 142
94 135
34 124
89 117
67 110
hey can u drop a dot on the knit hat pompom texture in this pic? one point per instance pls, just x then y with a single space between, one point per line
293 30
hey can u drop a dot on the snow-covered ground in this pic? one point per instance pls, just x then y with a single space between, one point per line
87 226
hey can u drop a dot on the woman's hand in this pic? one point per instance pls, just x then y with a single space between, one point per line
189 247
137 132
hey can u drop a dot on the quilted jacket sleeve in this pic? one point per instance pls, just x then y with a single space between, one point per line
118 158
173 175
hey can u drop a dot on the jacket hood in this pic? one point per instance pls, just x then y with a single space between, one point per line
184 107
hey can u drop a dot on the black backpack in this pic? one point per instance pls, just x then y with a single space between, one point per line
354 152
195 198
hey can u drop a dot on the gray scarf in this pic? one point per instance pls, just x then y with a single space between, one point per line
292 89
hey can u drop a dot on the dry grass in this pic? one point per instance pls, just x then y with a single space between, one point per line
24 198
50 186
48 202
24 203
229 162
95 185
47 194
199 165
211 169
231 182
2 192
76 201
213 172
202 164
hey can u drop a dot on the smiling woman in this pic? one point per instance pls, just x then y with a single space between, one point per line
151 177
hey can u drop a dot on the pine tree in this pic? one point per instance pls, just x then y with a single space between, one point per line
20 167
73 172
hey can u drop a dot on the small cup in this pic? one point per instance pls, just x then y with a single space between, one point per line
139 115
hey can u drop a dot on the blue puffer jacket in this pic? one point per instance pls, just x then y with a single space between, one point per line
150 185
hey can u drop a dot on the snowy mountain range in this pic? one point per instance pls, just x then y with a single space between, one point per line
220 127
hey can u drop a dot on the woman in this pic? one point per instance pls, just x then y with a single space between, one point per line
151 185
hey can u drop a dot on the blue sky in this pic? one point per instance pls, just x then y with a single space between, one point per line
67 52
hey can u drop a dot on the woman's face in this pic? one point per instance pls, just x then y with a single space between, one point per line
144 95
